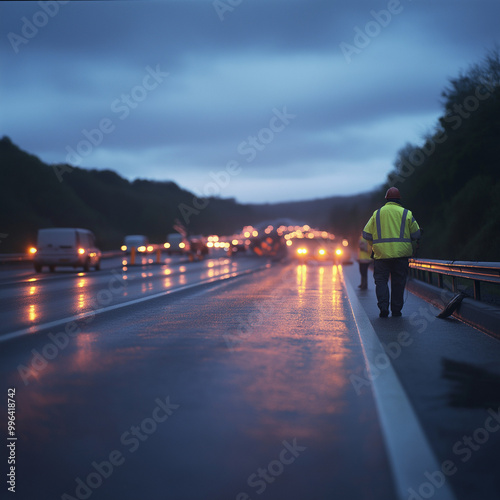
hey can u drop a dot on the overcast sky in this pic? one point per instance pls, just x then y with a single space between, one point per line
292 99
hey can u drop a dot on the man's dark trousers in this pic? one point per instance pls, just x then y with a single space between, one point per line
397 269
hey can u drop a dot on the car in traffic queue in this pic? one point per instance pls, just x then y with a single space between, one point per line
177 244
198 248
320 249
68 247
139 242
236 247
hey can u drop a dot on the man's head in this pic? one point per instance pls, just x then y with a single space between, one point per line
393 194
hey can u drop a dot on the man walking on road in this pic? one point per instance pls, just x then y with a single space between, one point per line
391 230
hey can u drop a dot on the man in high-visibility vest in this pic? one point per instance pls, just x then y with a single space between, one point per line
391 231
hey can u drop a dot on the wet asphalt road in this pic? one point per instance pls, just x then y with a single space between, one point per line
451 375
31 300
237 389
164 381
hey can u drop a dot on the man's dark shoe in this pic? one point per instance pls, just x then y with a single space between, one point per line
397 313
384 314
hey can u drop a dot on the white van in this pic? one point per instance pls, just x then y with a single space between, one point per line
64 246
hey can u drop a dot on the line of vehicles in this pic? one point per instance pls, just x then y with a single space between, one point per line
299 242
76 247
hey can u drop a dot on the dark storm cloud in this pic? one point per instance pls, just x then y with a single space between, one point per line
352 111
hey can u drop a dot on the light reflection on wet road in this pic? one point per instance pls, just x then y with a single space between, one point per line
259 367
38 298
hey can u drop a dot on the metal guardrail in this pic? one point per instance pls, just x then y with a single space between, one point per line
26 257
15 257
477 272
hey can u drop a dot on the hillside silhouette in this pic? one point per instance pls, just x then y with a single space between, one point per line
451 182
35 196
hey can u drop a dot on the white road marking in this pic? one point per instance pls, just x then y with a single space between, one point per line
409 452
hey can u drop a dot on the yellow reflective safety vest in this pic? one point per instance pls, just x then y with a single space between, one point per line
391 230
364 253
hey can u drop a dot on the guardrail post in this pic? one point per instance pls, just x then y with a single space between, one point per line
453 284
477 290
440 280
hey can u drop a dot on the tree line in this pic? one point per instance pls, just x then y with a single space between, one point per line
33 196
451 181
